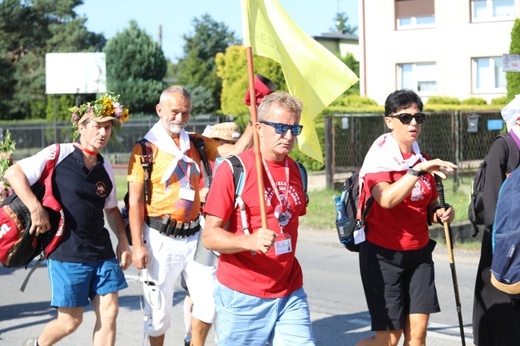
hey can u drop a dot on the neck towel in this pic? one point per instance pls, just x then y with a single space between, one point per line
162 140
385 156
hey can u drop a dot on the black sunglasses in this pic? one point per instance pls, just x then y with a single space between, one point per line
281 129
406 118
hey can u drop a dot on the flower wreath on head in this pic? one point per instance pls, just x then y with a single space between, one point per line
105 106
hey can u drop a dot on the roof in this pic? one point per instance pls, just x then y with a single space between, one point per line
337 35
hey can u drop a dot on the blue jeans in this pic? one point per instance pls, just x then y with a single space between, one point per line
252 321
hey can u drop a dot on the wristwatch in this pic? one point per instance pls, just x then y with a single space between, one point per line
415 172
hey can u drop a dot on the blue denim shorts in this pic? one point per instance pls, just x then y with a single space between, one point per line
248 320
73 284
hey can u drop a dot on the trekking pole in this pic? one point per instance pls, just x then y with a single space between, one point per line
449 246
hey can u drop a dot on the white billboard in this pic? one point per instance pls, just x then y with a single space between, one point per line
75 73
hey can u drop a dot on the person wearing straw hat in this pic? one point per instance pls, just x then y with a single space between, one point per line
225 132
84 266
495 312
259 295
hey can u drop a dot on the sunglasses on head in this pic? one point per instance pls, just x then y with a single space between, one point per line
406 118
281 129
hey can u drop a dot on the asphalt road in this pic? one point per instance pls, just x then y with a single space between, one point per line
331 280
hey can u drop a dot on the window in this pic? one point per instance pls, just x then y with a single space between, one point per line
414 13
482 10
488 75
420 77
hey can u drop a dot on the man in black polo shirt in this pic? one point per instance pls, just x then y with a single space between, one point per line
84 266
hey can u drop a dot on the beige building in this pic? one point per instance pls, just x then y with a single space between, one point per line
340 44
436 47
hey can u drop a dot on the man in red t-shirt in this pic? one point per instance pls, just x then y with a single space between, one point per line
259 296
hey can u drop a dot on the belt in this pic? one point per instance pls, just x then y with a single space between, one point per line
173 228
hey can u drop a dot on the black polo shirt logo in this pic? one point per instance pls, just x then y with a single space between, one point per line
101 189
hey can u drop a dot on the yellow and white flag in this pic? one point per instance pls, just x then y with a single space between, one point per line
313 73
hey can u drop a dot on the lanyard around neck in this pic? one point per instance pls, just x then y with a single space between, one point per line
282 200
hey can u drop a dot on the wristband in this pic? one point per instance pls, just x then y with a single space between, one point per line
416 173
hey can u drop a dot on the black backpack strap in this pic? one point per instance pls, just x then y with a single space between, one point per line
238 170
368 204
304 176
146 163
201 148
513 159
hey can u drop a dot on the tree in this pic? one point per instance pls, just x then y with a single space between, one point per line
136 67
202 99
198 66
352 64
513 78
232 69
341 24
28 30
22 32
7 83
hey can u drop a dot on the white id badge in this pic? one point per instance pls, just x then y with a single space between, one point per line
282 246
359 236
187 194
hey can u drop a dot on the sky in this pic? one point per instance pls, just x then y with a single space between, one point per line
110 17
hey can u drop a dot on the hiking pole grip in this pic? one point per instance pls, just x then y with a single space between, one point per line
444 206
440 191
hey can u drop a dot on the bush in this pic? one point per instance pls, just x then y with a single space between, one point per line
474 101
443 100
513 78
308 162
501 101
353 101
7 147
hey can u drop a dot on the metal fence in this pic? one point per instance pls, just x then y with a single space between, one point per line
31 137
461 137
446 135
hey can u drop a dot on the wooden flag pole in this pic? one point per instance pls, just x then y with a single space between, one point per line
256 139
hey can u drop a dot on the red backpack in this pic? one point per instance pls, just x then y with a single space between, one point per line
17 247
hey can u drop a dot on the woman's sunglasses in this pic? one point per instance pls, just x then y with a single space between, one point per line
406 118
281 129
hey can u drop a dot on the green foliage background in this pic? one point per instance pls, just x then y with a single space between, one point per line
198 66
513 78
136 67
28 30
